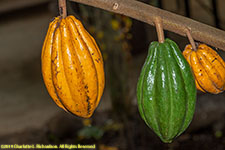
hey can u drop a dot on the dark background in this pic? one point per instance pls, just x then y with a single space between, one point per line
27 113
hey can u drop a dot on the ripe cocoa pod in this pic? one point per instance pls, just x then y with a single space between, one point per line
208 68
72 67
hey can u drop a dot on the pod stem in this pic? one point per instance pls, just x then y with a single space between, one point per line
159 29
191 40
62 8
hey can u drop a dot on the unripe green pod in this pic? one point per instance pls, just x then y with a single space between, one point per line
166 91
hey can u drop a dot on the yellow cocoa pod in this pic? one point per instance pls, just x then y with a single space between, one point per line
208 68
72 67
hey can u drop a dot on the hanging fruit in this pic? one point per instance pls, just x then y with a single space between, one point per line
72 67
166 90
208 68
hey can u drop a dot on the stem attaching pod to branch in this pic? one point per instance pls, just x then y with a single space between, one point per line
159 29
191 40
171 21
62 8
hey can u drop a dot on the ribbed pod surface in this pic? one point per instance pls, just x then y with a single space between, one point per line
166 91
72 67
208 68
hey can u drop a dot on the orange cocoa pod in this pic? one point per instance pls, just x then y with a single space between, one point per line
72 67
208 68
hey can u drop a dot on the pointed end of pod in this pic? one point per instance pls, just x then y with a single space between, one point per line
168 141
85 116
82 115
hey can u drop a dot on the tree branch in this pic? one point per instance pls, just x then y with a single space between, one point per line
172 22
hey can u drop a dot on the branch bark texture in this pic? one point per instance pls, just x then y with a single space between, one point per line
171 22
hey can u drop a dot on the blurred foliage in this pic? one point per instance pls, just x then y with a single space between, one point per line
104 147
218 134
86 122
53 138
88 132
154 2
112 33
110 125
92 131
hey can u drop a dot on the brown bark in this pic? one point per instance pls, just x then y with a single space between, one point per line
172 22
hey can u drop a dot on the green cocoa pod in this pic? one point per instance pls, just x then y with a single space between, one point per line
166 91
